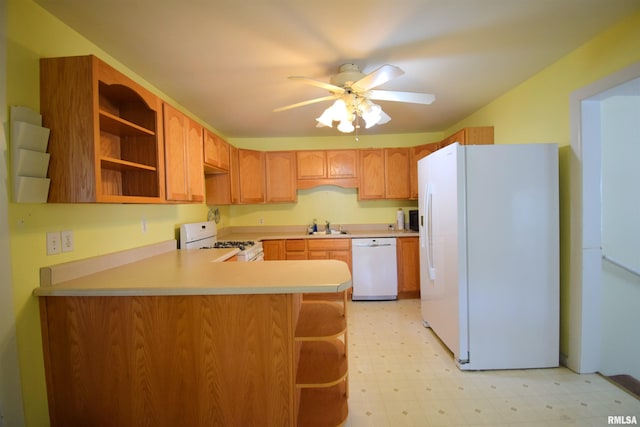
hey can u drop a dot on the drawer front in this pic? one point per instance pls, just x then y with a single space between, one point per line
295 245
328 244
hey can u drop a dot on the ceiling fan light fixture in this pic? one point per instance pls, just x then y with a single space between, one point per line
346 126
353 92
371 115
326 118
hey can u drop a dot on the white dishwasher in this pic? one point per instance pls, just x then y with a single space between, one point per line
375 271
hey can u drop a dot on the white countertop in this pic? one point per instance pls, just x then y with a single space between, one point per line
196 272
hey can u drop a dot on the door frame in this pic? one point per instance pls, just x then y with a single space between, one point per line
585 177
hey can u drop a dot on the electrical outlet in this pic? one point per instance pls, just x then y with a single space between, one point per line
53 243
144 225
67 240
261 221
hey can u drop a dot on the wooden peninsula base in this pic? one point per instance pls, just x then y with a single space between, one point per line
158 337
195 360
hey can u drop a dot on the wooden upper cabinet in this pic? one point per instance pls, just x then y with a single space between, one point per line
342 164
251 166
327 167
311 164
481 135
371 167
195 161
106 134
417 153
234 175
396 173
280 176
183 157
224 188
216 153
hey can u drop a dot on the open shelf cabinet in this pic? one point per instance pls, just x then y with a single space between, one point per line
106 137
322 376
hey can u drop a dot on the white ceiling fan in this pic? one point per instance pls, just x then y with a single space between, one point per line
353 92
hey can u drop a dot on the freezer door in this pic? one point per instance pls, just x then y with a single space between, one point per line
512 206
442 256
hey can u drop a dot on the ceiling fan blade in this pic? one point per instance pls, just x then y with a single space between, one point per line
376 78
390 95
303 103
328 86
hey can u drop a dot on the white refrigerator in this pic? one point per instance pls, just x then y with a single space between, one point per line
489 253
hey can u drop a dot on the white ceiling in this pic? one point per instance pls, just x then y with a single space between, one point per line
227 61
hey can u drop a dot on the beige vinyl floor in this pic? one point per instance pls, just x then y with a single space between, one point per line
400 374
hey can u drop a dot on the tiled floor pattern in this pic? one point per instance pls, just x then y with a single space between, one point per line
401 375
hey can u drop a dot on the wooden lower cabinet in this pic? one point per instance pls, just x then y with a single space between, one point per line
295 249
195 360
408 256
273 250
339 249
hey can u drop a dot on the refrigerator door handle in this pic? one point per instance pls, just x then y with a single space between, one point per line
429 233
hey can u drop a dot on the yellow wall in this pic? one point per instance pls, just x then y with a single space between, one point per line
535 111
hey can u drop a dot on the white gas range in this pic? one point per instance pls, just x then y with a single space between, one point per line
204 235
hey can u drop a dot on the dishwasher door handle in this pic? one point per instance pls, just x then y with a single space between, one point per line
373 245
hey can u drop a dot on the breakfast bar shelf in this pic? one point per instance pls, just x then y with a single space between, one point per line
320 320
322 364
323 406
322 372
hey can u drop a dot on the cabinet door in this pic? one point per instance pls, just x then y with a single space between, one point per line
251 176
371 162
234 175
416 154
223 154
195 163
408 257
224 188
456 137
342 163
216 152
273 250
341 256
281 176
295 249
396 173
480 135
175 129
311 164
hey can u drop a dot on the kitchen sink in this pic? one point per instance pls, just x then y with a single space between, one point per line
333 232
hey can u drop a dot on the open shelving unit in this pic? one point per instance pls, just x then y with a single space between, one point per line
106 139
322 375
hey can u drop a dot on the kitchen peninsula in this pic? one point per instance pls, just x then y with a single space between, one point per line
176 338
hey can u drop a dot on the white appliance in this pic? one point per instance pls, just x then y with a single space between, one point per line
489 253
374 269
203 235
